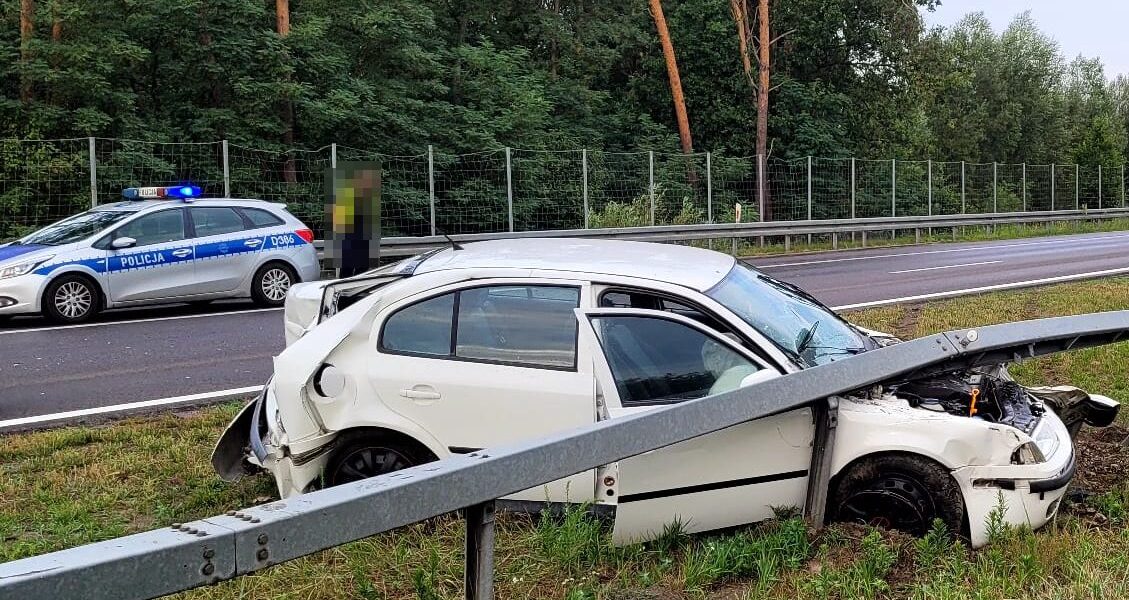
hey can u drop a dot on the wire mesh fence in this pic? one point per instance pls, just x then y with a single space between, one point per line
42 181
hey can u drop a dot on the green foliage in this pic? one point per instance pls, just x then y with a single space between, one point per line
864 577
763 555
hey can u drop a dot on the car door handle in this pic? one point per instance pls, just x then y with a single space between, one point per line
415 394
181 253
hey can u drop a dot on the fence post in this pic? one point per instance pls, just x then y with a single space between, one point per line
509 189
893 187
1024 187
1077 205
430 184
963 204
709 190
929 188
809 195
760 185
584 182
333 155
1052 187
852 195
1099 187
226 172
995 202
651 175
1122 186
93 174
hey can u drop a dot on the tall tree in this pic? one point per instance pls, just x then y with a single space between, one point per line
27 33
673 76
282 17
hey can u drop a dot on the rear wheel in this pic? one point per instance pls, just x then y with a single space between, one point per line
898 491
71 299
270 284
365 454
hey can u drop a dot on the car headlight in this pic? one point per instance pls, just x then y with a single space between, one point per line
22 268
1027 454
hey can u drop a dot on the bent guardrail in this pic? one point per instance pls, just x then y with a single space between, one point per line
215 549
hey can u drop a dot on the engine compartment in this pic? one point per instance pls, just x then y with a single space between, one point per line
975 394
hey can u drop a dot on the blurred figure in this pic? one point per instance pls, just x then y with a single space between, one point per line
353 217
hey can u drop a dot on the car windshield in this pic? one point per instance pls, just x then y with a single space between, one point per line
76 228
797 323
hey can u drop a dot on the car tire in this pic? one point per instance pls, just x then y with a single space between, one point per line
897 491
363 454
271 282
71 299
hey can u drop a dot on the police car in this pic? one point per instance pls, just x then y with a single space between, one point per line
161 245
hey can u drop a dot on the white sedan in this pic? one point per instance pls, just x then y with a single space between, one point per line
476 346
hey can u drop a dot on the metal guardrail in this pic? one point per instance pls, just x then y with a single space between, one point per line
409 246
207 551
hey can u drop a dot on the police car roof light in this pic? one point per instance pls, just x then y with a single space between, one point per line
183 192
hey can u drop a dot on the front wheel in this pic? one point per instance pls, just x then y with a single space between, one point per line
898 491
71 299
270 284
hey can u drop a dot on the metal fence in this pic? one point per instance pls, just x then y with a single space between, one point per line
510 189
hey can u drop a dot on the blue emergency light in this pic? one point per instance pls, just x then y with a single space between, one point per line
183 192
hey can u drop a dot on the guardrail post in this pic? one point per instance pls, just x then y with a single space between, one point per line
809 195
509 189
1024 187
1052 187
819 481
226 172
478 579
651 171
93 174
430 184
584 182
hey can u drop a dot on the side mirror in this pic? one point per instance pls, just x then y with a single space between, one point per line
758 377
122 243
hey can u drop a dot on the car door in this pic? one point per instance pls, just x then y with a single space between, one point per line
491 363
160 263
225 253
649 358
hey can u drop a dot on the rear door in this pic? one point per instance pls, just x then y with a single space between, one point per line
647 359
159 265
491 363
225 253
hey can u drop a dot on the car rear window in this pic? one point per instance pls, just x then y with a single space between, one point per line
261 218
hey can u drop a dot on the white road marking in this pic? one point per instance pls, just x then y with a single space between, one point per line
987 262
946 251
986 288
101 410
109 323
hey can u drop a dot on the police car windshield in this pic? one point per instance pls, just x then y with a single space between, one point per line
76 228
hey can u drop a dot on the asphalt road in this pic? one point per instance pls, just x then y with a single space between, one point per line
154 353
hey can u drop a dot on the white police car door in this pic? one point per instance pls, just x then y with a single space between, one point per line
647 359
225 254
159 265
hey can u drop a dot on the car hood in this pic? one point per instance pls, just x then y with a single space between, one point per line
16 252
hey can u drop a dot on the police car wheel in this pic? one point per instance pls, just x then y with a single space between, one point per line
271 283
71 299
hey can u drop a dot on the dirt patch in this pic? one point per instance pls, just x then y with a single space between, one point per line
1103 459
906 328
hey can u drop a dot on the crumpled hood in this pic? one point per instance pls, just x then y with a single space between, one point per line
15 250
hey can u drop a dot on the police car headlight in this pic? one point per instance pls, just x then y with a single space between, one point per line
329 382
22 268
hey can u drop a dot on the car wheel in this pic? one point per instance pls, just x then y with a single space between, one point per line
270 284
71 299
898 491
367 454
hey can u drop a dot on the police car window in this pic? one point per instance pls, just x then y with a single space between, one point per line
525 325
261 218
154 228
77 228
659 361
215 220
422 328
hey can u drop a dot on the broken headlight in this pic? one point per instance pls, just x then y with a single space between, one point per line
1027 454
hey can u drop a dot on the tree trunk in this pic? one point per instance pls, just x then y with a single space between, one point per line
764 68
282 15
672 74
27 32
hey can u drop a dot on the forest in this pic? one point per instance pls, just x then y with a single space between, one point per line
843 78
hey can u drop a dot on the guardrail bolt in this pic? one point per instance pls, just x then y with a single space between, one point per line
209 553
255 520
176 525
230 513
208 569
201 534
262 554
263 539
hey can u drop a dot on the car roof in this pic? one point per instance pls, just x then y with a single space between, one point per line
139 205
695 268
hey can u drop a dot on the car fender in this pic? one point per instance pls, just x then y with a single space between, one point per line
70 269
889 424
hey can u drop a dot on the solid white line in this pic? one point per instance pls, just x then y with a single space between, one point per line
986 288
109 323
88 412
945 251
988 262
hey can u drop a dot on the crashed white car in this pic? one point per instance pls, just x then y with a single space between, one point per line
502 341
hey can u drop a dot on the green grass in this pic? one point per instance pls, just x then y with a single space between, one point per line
70 486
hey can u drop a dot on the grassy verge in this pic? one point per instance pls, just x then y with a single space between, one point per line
65 487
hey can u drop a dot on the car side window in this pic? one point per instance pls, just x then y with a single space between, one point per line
422 328
649 301
215 220
527 325
661 361
154 228
260 218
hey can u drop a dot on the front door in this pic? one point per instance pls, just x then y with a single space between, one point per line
738 475
488 364
159 265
